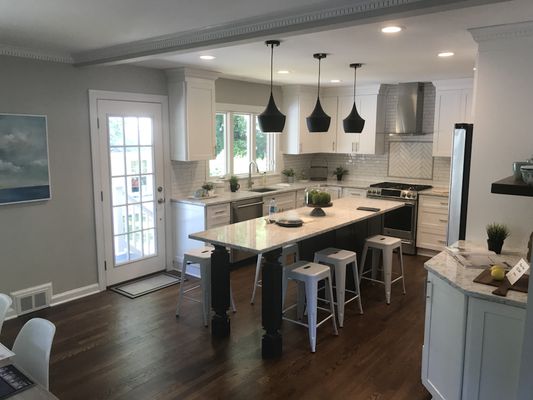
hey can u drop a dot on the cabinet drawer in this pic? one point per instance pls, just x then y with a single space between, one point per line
430 240
352 192
432 219
218 215
437 204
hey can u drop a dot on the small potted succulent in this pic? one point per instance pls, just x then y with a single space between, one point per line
289 173
496 233
234 183
209 187
339 172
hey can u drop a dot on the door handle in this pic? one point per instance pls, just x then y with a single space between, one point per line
161 201
251 205
160 189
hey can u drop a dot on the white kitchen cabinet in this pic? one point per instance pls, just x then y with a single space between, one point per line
443 351
191 96
494 336
371 108
472 347
453 104
284 201
190 218
432 225
300 198
334 191
299 102
353 192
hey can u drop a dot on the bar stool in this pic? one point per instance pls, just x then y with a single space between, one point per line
201 256
289 255
387 245
339 260
310 274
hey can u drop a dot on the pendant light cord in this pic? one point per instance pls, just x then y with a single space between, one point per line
271 65
354 72
318 92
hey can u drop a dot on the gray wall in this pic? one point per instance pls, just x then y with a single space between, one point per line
54 241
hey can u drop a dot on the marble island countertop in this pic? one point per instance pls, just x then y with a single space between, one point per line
446 266
258 236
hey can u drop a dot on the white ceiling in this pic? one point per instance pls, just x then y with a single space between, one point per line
74 26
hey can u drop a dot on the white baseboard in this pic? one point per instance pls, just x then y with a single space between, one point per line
74 294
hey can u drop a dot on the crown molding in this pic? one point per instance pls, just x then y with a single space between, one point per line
502 32
302 19
15 51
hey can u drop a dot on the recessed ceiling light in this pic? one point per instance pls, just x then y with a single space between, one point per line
335 81
206 57
283 71
391 29
446 54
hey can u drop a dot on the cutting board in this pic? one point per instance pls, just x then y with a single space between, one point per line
502 286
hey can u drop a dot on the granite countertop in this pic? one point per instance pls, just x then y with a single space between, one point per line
243 194
436 191
445 266
258 236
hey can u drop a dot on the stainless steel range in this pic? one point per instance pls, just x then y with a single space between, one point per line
400 223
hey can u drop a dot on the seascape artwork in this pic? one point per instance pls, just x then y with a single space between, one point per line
24 172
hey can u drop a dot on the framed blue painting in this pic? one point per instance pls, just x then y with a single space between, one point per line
24 170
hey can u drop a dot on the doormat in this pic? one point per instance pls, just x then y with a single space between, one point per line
146 285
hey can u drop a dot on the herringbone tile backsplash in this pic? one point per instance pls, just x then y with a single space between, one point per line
411 160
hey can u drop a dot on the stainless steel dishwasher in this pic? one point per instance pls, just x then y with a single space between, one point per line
242 211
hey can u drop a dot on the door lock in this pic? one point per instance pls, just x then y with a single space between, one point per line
161 201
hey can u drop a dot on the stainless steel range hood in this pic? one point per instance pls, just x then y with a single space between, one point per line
410 109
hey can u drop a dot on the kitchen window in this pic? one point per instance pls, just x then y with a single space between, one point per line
239 141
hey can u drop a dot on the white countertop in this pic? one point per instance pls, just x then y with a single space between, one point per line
436 191
257 236
445 266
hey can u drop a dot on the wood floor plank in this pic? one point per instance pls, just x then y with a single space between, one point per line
110 347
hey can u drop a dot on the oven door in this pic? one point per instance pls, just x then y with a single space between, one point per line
401 223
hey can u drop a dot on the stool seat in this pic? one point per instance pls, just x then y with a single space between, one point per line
387 245
309 274
339 260
202 257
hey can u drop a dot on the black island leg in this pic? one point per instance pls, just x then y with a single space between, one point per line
271 305
220 292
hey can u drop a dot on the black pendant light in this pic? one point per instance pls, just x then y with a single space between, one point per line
353 123
318 121
271 120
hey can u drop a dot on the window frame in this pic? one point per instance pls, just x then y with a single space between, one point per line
253 111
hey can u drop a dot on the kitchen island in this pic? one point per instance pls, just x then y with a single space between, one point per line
472 338
259 237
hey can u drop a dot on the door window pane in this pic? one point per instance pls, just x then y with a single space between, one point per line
134 189
145 131
121 249
217 167
118 191
146 164
241 146
116 131
148 215
132 160
147 187
149 242
117 161
134 218
120 220
136 250
132 131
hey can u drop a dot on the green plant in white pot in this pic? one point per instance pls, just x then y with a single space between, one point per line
289 173
497 233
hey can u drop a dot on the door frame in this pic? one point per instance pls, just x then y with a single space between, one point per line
96 156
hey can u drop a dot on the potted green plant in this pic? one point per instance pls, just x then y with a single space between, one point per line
289 173
209 187
339 172
234 183
496 233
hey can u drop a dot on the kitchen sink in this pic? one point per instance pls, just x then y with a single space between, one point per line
262 190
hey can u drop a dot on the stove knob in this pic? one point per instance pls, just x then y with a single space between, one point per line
404 195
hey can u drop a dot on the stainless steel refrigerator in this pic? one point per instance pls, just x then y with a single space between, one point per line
459 181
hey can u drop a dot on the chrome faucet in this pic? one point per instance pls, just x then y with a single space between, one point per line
250 182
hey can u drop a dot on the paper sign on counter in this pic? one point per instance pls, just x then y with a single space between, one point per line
5 352
517 271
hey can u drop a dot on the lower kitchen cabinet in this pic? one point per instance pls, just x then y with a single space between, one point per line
432 223
353 192
284 201
472 347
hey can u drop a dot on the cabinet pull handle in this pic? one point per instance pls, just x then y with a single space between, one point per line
444 203
442 241
332 146
352 147
443 220
220 212
429 289
300 147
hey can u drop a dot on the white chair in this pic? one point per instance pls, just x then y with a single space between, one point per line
5 303
32 349
339 260
202 257
387 245
310 274
289 255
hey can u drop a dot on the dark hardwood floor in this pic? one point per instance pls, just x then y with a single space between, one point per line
111 347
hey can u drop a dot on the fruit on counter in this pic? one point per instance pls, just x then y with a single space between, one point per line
497 266
497 272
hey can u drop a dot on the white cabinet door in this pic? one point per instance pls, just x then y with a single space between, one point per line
200 121
327 139
494 338
347 142
354 193
443 352
453 104
334 191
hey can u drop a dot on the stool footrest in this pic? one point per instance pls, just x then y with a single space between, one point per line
307 325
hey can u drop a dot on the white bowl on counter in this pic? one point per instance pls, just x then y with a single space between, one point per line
527 174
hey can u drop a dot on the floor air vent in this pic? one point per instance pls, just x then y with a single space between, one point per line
32 299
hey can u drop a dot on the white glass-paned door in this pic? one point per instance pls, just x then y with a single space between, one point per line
133 173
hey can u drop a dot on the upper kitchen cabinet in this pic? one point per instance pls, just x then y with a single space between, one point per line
453 104
191 95
299 102
370 105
